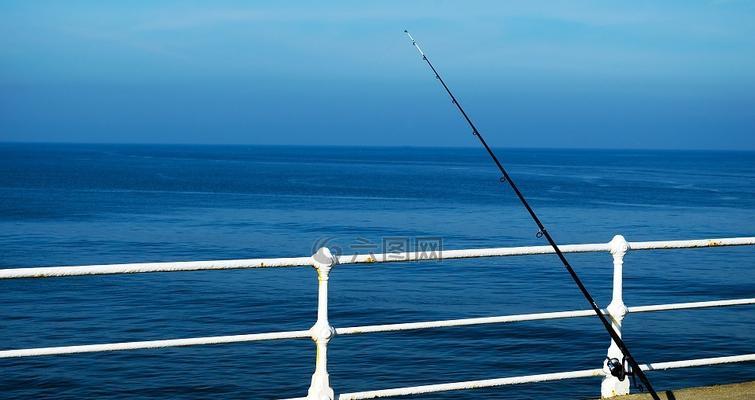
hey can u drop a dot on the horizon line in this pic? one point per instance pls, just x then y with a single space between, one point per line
471 146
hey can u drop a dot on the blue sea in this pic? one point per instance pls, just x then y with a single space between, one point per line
65 204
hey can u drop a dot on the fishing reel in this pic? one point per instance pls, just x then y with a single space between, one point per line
622 369
618 368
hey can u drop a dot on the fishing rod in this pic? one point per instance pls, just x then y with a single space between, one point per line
619 369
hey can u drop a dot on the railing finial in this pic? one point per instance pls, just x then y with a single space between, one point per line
619 245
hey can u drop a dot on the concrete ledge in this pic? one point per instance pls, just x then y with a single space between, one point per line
734 391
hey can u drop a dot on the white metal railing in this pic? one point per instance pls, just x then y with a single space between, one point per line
322 331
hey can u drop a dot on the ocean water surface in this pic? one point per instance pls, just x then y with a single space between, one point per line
97 204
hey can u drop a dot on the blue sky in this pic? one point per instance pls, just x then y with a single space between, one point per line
584 74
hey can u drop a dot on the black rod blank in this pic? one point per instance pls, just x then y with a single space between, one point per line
635 368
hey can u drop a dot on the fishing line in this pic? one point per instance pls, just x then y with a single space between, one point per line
619 369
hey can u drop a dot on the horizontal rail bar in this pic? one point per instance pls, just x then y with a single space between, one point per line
462 322
691 244
44 351
45 272
697 362
471 253
685 306
532 250
443 387
48 272
483 383
532 317
153 344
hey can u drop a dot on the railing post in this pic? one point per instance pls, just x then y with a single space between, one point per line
612 386
321 332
